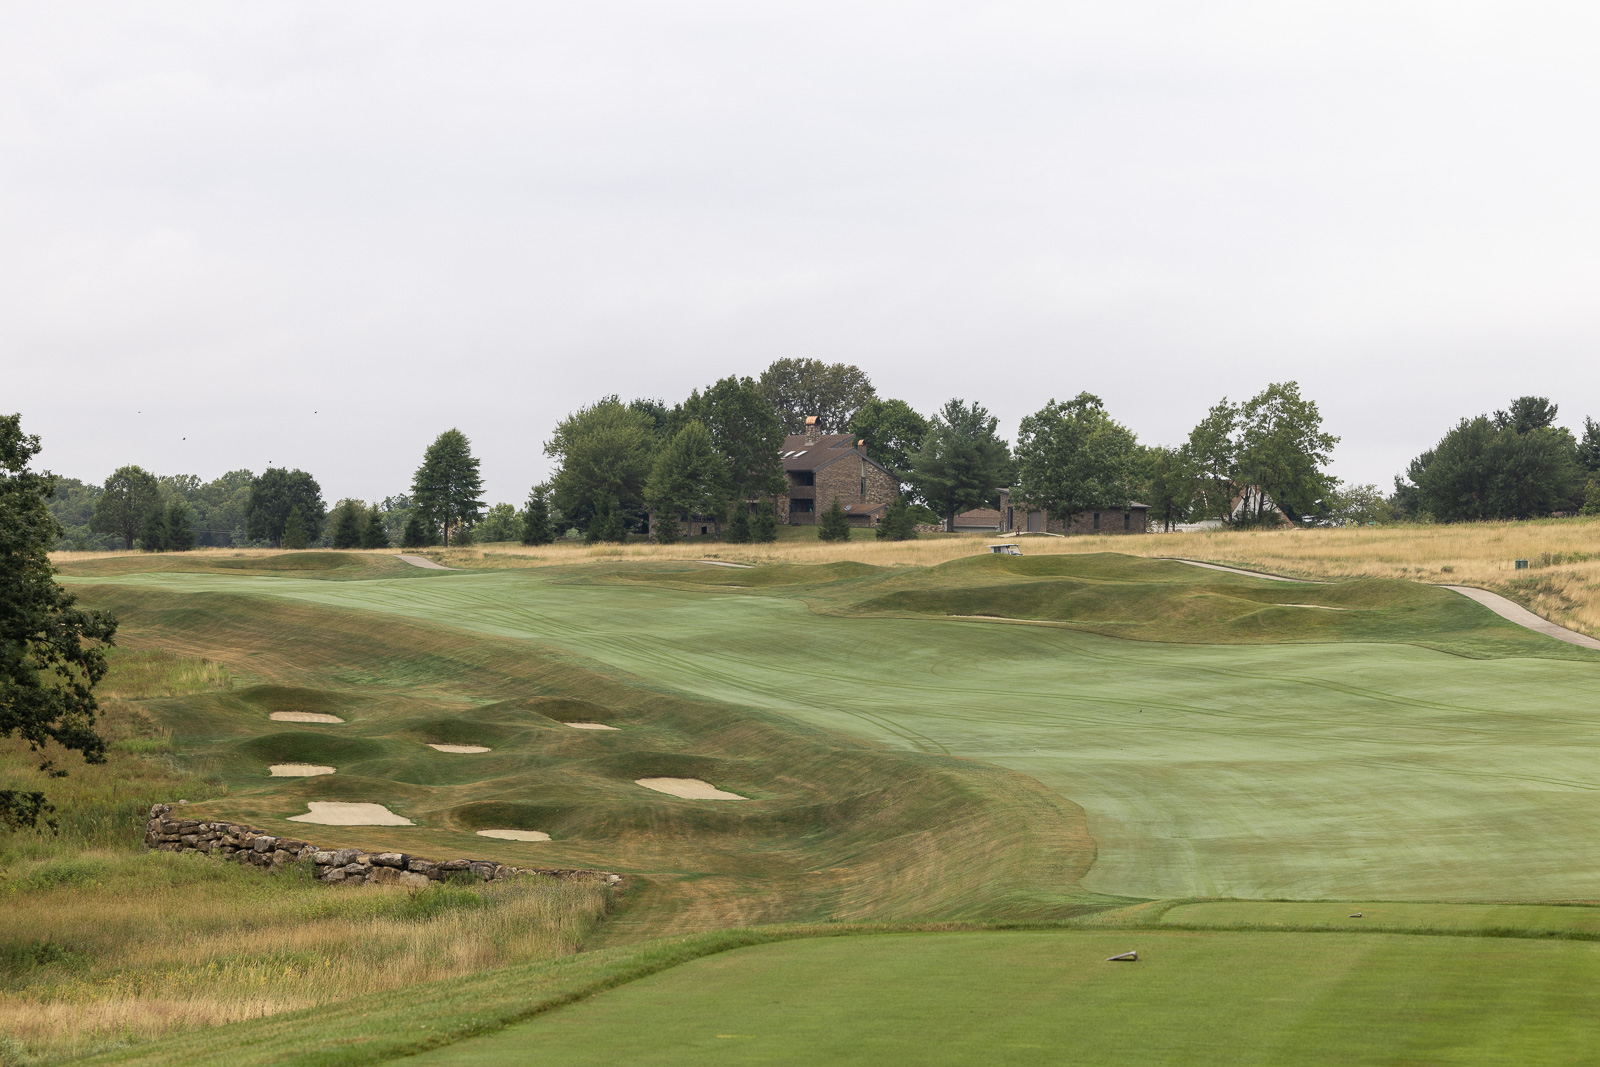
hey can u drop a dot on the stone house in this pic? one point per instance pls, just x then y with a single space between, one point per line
1015 516
824 467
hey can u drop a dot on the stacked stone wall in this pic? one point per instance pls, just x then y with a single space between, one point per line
246 845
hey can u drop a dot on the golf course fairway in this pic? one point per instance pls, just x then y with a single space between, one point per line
1051 997
1337 770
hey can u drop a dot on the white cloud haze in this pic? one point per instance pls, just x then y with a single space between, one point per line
217 219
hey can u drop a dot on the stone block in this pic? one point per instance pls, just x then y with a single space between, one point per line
421 866
345 855
451 866
264 843
390 859
334 875
281 856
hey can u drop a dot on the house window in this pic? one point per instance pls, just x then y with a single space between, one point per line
803 477
1127 520
1097 520
863 487
799 504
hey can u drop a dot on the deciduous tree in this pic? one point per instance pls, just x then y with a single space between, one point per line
962 462
1169 485
1073 456
746 431
273 495
1284 450
833 392
689 477
130 496
447 486
604 453
893 432
51 650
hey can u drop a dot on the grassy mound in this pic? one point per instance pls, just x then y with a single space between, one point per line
339 566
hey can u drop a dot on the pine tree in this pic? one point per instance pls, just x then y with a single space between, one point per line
764 527
178 527
898 524
739 532
294 529
608 523
688 476
373 535
447 485
536 526
665 527
347 526
834 525
416 534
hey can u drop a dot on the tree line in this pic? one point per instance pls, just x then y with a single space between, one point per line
643 466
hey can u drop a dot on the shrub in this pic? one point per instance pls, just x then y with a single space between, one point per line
834 525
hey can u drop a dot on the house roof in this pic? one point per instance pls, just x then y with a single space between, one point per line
803 453
978 517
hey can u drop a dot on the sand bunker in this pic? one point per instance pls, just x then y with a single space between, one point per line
459 748
338 813
590 726
687 788
303 716
298 770
515 835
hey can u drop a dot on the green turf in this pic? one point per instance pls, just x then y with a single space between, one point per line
1027 998
1577 921
1346 770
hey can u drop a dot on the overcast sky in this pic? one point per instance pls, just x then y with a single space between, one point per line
316 235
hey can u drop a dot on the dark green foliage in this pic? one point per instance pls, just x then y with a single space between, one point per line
833 392
1073 456
665 527
373 534
447 485
608 524
764 524
605 453
1516 465
893 431
834 525
349 523
1591 495
746 431
738 531
1589 445
295 534
274 495
73 507
689 477
962 462
502 523
47 671
898 524
536 527
1269 450
416 534
172 528
125 505
1169 485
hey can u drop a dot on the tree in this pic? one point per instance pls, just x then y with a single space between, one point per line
1358 505
169 528
502 523
738 531
666 528
833 392
764 524
1589 445
892 431
746 431
689 477
834 525
1514 465
608 524
897 524
51 651
349 523
374 534
222 509
1073 456
604 453
1283 450
536 528
447 485
295 532
1591 496
962 462
416 534
1213 453
1169 485
273 495
130 496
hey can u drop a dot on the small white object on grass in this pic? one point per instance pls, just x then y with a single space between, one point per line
458 748
590 726
515 835
1125 957
1355 915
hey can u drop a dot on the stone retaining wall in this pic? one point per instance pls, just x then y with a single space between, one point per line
257 848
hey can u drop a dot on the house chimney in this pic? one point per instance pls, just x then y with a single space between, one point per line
811 429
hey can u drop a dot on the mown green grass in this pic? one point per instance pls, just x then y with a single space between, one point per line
1575 921
1346 769
1026 998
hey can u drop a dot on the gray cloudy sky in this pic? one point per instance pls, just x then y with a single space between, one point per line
217 219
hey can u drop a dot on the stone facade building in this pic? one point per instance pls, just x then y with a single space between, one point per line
824 467
1015 516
